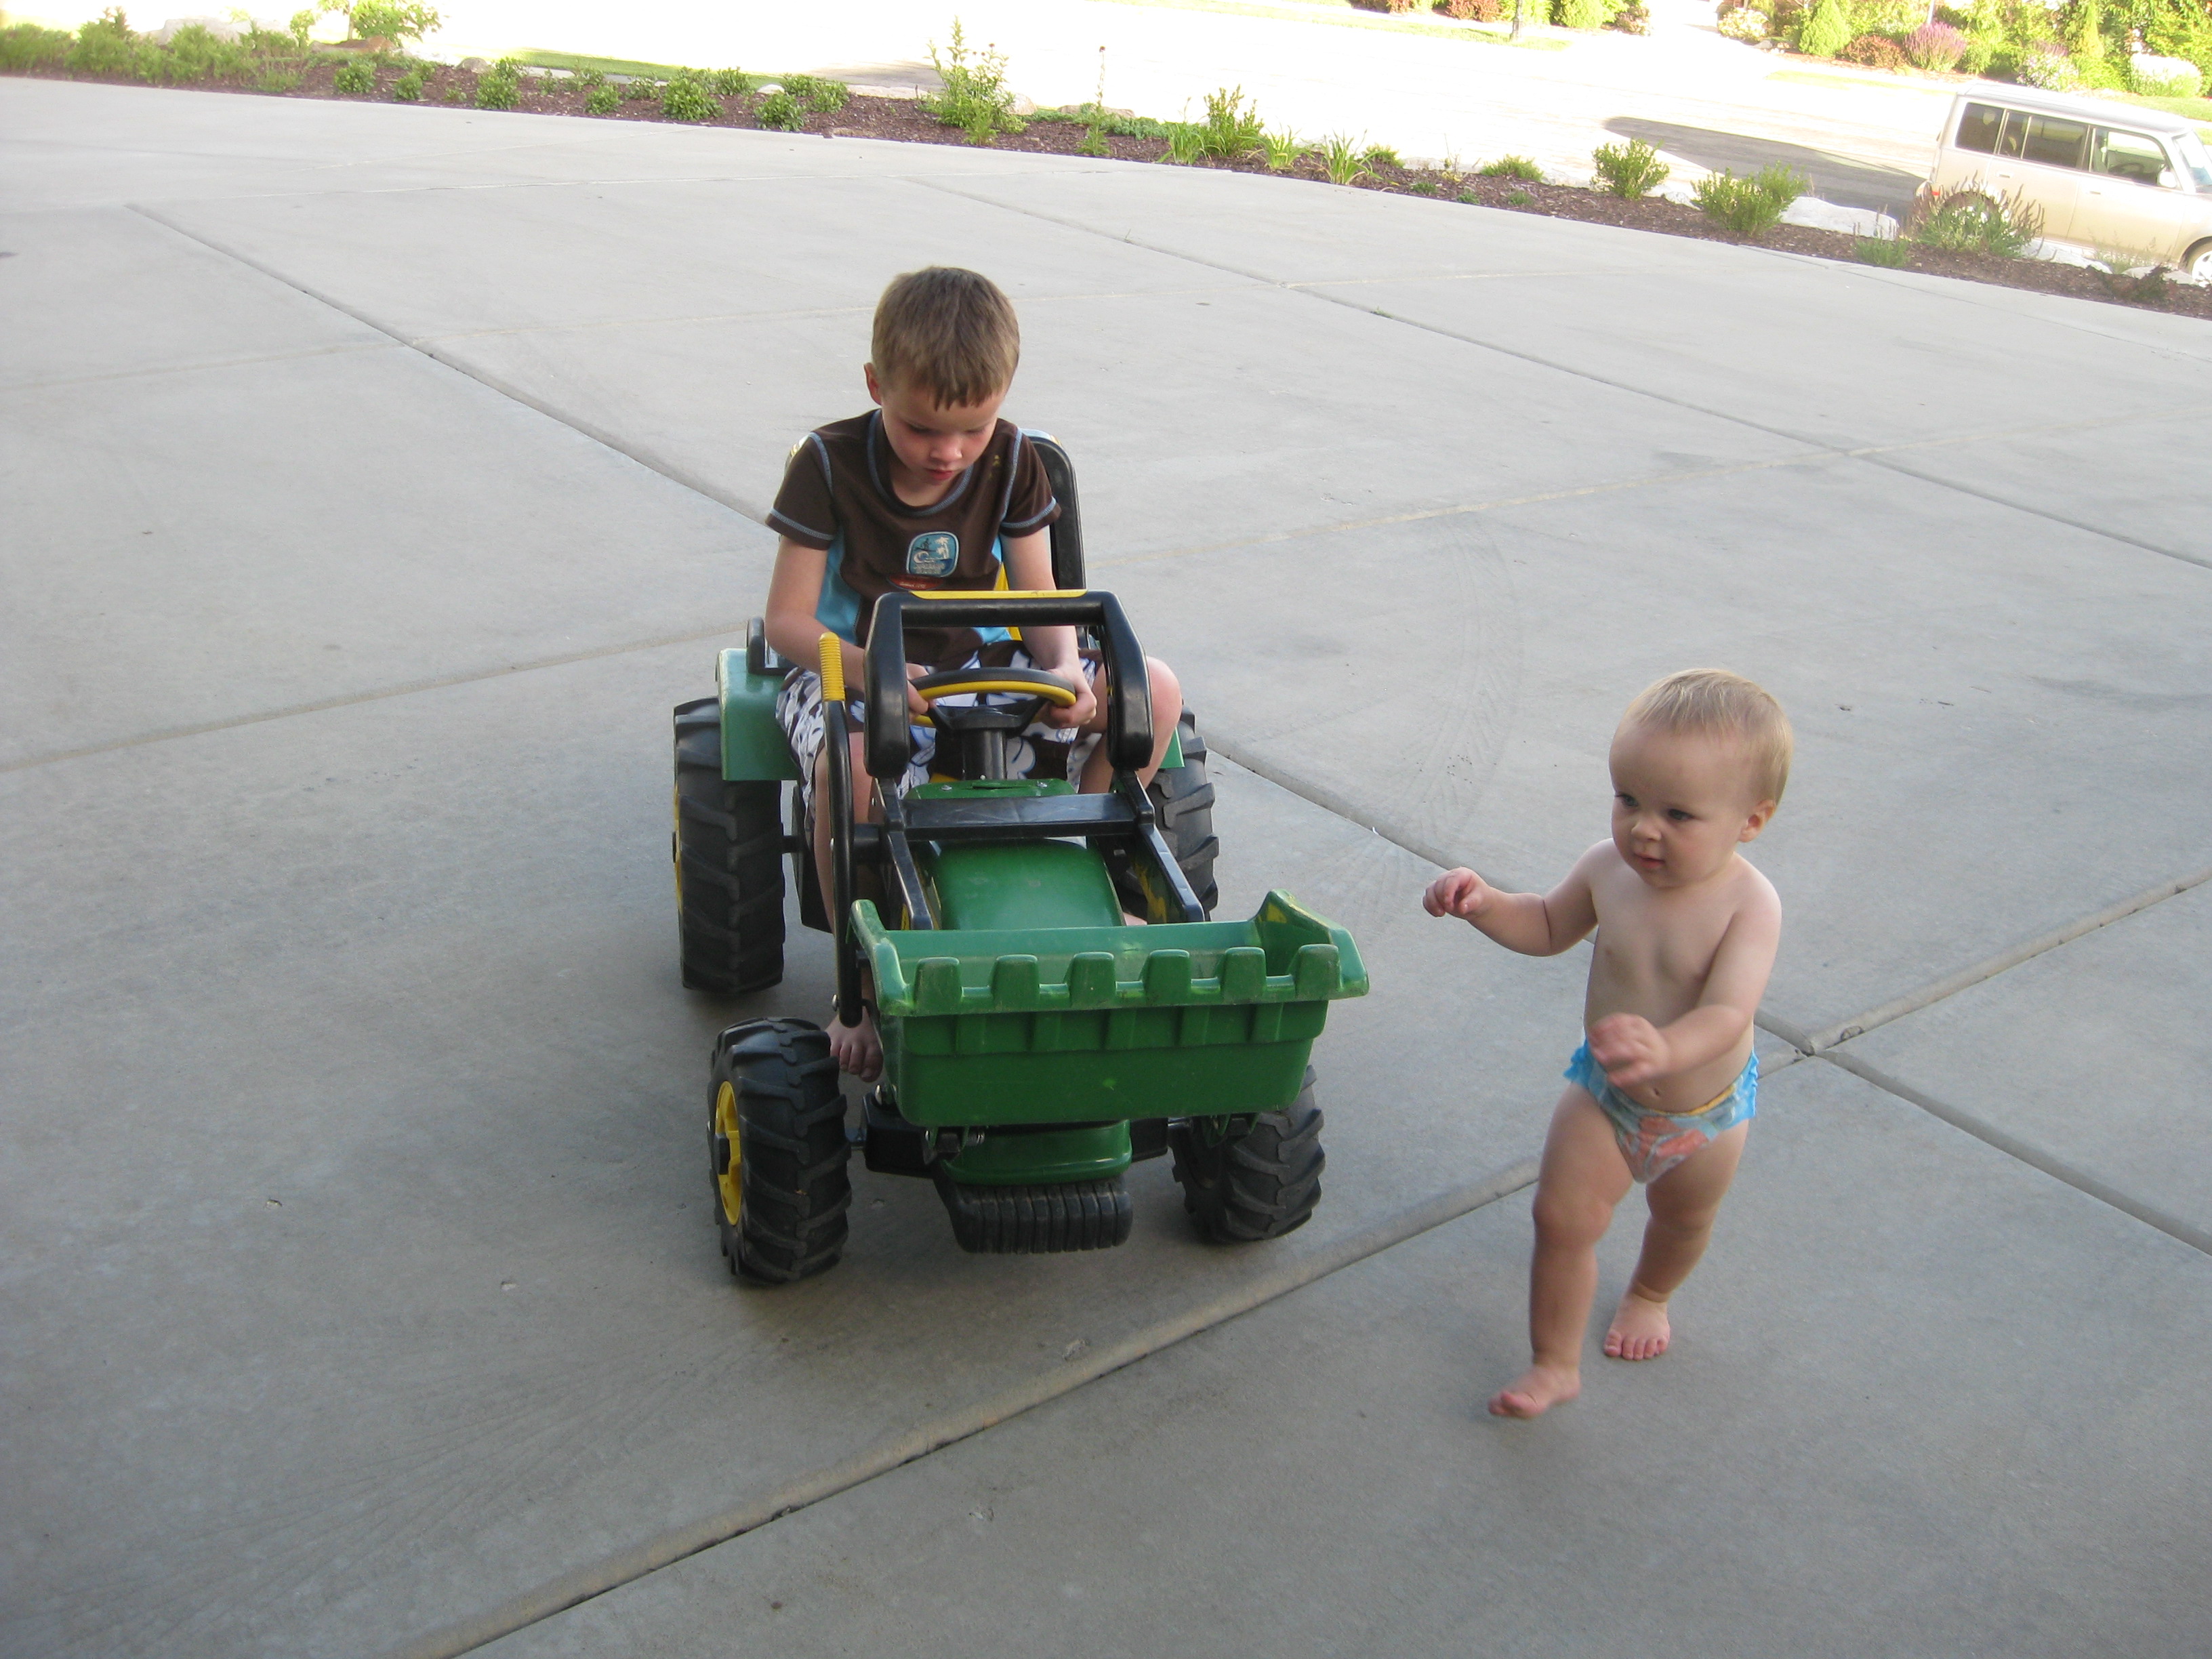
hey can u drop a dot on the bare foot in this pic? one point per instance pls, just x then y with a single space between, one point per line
858 1049
1640 1329
1539 1389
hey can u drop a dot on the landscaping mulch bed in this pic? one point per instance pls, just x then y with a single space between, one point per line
901 120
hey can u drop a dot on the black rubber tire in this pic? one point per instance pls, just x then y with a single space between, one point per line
728 852
1184 800
1259 1185
790 1148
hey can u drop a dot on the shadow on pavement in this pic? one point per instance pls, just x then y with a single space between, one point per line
1835 178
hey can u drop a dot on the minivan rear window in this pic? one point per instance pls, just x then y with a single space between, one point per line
2054 142
1978 128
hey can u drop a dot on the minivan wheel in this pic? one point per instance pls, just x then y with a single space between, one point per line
2198 262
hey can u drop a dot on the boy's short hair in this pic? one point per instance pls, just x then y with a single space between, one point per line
1714 701
948 332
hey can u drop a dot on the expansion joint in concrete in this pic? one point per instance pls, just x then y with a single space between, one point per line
2035 1157
584 1584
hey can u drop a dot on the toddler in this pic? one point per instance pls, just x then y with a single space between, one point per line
1663 1088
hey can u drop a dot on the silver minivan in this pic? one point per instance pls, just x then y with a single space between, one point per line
2108 176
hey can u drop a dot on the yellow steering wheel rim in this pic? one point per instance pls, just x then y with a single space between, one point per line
1059 695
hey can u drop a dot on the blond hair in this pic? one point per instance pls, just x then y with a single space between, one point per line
1715 702
948 332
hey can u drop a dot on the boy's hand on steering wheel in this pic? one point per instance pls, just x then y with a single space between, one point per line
1078 713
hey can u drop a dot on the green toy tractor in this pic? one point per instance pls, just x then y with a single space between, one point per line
1035 1042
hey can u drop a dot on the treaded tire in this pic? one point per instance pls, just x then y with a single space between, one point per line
777 1151
728 849
1184 800
1259 1185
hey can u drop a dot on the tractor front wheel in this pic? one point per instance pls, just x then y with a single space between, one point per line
776 1133
1244 1184
1184 800
728 848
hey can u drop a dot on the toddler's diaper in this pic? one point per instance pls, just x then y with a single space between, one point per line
1652 1141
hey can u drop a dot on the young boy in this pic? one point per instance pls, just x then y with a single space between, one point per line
1663 1090
931 490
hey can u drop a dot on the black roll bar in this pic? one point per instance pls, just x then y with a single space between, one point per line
1129 688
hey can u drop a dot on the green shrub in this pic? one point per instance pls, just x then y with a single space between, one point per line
1282 149
1966 219
782 113
685 99
277 80
1512 166
2164 78
1873 51
28 47
193 54
1581 14
601 100
354 77
1630 170
727 82
1343 159
1518 198
1892 252
1894 19
1470 199
1422 187
1232 130
590 80
1381 156
1093 142
639 88
1186 142
391 19
1752 206
409 87
818 93
105 46
975 98
499 87
1828 31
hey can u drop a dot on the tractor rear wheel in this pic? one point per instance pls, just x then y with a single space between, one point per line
728 849
1183 799
1260 1184
775 1132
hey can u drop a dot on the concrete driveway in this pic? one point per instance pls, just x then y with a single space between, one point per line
376 478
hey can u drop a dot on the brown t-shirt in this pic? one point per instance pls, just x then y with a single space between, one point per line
837 496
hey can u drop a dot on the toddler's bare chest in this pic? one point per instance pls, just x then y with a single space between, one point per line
1646 944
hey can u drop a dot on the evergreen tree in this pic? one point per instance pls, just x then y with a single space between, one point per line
1828 30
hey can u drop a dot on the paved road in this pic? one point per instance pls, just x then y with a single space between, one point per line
377 478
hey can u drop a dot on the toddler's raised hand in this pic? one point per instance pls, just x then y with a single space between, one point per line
1630 1049
1459 893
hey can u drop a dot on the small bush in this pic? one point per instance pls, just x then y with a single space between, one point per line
1752 206
1581 14
640 88
1232 130
1283 150
1892 252
1093 142
1470 199
1473 11
1381 156
601 100
499 87
1935 48
1874 51
1828 30
395 22
408 88
976 98
1893 18
818 92
28 47
355 77
1343 159
2050 68
1518 198
1422 187
1744 23
684 100
2164 78
1966 219
1630 19
1513 166
782 113
1186 142
105 46
590 80
1630 170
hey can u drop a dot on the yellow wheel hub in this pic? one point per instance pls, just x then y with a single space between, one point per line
725 1136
